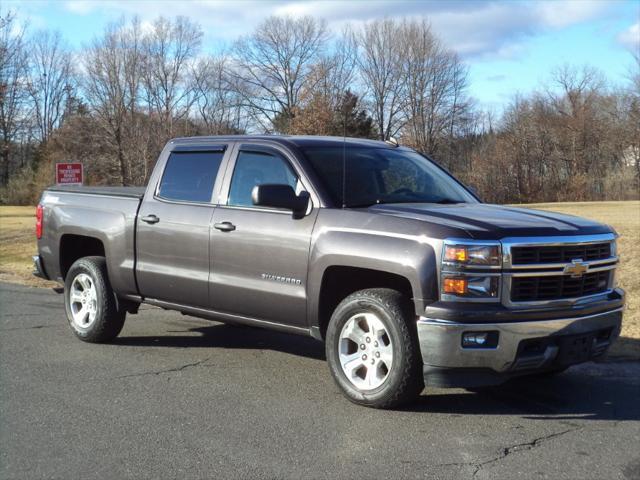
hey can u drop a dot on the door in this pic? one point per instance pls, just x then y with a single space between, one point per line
173 251
260 255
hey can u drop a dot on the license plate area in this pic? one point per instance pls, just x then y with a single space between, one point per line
576 348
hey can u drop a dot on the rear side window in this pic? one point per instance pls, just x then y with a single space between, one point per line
258 168
189 176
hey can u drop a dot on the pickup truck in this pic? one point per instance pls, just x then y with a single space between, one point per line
408 278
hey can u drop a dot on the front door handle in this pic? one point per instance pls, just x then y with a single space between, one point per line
224 226
150 219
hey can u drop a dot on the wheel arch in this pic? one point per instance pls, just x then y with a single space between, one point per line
368 259
74 247
339 281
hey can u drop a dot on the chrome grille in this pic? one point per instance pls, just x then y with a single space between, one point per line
533 289
559 253
539 272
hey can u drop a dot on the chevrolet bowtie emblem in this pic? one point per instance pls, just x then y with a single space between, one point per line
576 268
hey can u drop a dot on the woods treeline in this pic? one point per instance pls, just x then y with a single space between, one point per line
115 102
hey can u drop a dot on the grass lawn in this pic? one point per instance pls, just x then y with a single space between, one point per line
17 244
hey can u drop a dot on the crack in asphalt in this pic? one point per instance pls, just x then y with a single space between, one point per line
504 452
29 328
168 370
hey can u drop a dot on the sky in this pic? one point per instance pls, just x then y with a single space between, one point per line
510 46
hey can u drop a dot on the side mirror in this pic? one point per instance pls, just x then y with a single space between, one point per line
280 196
474 190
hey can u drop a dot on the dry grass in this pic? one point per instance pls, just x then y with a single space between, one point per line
17 244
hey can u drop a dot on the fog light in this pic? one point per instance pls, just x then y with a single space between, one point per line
480 339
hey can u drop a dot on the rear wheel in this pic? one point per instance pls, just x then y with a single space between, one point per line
372 349
90 302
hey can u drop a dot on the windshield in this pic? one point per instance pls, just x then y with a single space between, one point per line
383 175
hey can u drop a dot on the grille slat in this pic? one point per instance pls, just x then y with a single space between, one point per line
559 253
556 287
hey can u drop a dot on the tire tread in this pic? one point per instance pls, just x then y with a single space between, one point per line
112 319
411 378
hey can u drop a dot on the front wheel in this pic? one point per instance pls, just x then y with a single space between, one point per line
372 349
90 302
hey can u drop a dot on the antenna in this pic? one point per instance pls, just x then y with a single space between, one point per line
344 154
392 141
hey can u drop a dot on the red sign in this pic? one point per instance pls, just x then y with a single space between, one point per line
69 173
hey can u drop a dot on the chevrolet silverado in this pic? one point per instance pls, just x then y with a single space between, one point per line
408 278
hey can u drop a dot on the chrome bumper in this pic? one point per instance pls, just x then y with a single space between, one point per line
441 342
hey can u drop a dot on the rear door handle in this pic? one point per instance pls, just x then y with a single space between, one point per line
225 226
150 219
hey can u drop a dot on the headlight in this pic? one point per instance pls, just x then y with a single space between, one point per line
468 271
480 255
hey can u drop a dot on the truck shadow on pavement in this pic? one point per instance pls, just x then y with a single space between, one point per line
580 393
231 336
593 391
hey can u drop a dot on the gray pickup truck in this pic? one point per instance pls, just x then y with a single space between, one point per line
368 246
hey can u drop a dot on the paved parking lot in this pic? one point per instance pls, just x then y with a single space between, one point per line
176 396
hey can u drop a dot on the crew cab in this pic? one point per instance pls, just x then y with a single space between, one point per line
408 278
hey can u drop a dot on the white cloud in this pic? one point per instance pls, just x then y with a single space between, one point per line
630 37
562 14
492 30
80 7
471 27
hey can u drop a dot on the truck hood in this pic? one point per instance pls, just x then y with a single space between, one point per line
484 221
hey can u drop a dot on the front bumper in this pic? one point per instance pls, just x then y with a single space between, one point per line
523 347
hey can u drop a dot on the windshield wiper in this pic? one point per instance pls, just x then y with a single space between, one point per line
442 201
362 205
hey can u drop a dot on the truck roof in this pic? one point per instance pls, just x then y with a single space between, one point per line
296 140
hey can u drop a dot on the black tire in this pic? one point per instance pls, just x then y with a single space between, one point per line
404 381
109 320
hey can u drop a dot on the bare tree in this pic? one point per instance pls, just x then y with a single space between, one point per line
169 48
576 139
335 74
379 62
218 106
51 80
274 64
112 87
632 118
13 93
435 89
574 95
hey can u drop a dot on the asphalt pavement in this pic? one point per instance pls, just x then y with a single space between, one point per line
180 397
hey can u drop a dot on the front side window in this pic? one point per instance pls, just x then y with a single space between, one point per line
382 175
189 176
258 168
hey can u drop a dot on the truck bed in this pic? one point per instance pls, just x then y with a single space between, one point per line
105 214
131 192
